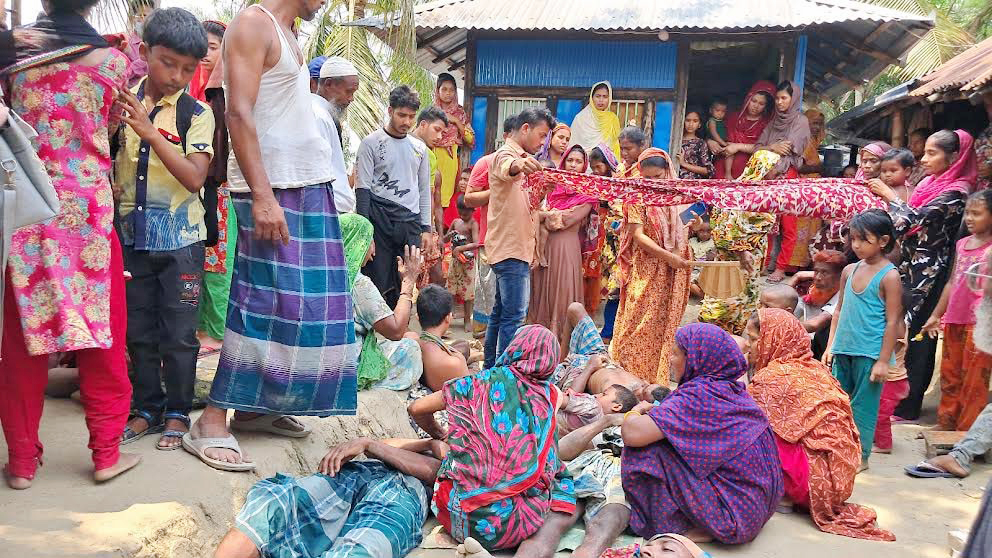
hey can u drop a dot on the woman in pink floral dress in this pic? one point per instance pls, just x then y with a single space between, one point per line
65 289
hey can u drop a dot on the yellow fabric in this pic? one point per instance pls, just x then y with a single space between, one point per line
165 192
447 165
593 126
609 123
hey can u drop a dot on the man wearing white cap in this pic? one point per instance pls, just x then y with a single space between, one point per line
335 90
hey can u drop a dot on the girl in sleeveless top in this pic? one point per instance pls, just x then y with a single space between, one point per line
867 322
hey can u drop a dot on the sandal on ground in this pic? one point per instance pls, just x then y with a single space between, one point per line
154 426
205 352
199 446
925 470
267 423
173 433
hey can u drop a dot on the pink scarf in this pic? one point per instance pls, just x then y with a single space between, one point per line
562 198
960 176
877 149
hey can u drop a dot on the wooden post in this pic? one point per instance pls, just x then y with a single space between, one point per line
15 13
469 89
898 129
681 93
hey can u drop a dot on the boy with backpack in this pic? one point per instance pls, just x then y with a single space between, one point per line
160 168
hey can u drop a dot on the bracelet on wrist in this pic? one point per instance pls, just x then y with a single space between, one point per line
629 414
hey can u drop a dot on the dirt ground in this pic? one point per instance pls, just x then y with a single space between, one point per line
172 506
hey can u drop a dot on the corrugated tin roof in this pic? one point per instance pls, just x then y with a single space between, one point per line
644 15
968 72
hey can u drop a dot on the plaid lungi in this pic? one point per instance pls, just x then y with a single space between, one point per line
289 346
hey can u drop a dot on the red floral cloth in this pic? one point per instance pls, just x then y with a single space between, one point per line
825 198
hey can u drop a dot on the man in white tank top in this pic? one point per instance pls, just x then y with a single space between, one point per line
289 347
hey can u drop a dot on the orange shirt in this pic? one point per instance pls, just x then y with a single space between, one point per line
511 231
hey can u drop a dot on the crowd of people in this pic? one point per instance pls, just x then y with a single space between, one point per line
206 206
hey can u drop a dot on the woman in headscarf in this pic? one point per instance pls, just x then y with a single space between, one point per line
554 286
554 146
458 133
927 228
395 362
787 136
602 162
633 141
654 276
65 288
702 463
218 265
808 227
745 126
831 233
596 123
502 480
813 423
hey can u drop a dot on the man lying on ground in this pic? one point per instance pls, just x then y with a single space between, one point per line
353 509
585 345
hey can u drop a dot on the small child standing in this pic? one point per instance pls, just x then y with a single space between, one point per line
896 167
159 171
867 322
464 235
716 132
964 371
703 250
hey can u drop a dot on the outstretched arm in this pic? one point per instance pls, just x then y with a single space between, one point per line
580 439
403 455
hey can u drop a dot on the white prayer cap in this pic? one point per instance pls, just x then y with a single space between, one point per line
337 66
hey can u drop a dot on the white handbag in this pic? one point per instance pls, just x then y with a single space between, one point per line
28 195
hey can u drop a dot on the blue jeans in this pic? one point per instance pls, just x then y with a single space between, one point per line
510 309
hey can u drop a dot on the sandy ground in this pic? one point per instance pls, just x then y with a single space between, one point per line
172 506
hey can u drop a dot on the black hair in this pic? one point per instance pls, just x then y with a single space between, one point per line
404 97
177 30
75 6
785 86
921 133
434 303
214 28
597 155
533 116
633 134
657 162
509 123
445 76
660 393
769 102
624 397
432 114
946 140
699 112
983 195
460 202
876 222
601 86
132 5
466 170
900 155
718 101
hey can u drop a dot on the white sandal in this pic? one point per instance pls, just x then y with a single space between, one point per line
198 447
267 423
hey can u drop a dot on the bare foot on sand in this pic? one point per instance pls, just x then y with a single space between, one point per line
208 342
17 483
472 549
213 424
876 449
863 467
125 462
949 464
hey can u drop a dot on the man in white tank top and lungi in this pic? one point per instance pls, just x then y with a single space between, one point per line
289 347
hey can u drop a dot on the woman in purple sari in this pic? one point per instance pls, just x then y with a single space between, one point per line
703 463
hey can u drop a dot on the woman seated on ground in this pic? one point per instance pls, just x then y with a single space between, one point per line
502 484
393 363
703 462
813 424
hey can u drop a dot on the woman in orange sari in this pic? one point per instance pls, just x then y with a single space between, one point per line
814 427
654 278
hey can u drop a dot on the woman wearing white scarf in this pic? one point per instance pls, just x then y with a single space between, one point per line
596 123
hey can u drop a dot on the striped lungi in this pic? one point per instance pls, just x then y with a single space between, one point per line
289 346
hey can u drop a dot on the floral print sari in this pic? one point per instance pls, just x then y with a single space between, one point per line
502 476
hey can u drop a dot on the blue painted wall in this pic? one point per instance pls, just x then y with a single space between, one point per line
562 63
663 112
479 107
567 109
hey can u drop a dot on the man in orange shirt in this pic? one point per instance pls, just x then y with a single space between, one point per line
510 236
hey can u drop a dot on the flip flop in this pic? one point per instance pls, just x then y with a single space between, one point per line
924 470
197 446
267 423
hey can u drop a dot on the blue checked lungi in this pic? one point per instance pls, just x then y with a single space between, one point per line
582 345
367 510
289 346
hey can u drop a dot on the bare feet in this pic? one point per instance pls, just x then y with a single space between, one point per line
213 424
876 449
863 467
949 464
698 535
208 342
125 462
167 442
17 483
777 276
472 549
